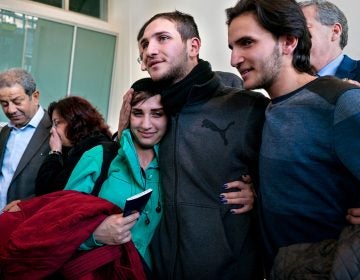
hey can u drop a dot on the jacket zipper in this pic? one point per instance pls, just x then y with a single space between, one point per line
176 119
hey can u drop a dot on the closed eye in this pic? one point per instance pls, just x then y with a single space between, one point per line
137 113
158 113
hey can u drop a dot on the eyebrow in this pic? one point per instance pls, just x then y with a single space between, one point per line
154 35
154 109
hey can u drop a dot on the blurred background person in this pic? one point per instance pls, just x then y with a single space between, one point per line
77 127
329 36
24 140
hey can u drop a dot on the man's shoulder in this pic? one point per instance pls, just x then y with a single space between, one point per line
349 59
237 93
2 125
349 68
330 88
230 79
46 119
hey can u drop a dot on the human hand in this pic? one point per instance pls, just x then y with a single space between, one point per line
115 229
125 112
242 195
353 216
55 140
352 82
12 206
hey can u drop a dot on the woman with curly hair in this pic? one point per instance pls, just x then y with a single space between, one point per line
77 127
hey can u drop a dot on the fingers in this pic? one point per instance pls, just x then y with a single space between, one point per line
121 238
352 82
353 216
115 229
240 193
55 141
125 111
12 206
242 210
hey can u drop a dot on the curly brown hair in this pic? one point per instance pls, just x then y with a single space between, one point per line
81 117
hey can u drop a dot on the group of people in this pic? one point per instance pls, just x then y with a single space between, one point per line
235 176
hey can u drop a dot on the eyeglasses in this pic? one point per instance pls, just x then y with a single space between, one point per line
139 60
56 122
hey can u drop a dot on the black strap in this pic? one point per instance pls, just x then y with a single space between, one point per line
109 152
4 135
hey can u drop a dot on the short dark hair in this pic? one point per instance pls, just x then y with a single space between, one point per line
82 118
143 90
185 24
18 76
328 14
280 17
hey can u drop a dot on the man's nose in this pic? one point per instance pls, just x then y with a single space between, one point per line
11 108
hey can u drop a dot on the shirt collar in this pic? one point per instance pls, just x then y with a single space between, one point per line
330 69
34 122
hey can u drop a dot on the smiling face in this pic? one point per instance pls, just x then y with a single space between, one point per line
19 107
148 122
255 53
164 54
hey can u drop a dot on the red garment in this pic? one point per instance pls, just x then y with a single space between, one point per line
37 241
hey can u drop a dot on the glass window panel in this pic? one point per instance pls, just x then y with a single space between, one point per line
44 48
55 3
40 46
51 58
93 65
12 29
88 7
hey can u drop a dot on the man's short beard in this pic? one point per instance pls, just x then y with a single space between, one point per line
273 67
176 73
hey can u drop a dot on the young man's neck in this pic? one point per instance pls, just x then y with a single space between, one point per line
289 83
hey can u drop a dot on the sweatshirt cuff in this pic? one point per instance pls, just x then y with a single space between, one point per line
90 243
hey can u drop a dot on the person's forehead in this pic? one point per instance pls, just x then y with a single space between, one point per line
153 102
246 25
160 25
14 90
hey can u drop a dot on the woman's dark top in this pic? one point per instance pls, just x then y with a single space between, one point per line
56 169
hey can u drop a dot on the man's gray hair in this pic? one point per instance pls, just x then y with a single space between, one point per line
328 14
18 76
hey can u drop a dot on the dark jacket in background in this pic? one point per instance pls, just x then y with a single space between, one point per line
56 169
23 181
349 69
230 79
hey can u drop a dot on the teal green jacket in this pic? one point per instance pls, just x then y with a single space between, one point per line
125 179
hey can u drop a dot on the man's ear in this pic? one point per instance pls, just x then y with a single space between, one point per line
288 44
336 31
36 96
193 46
